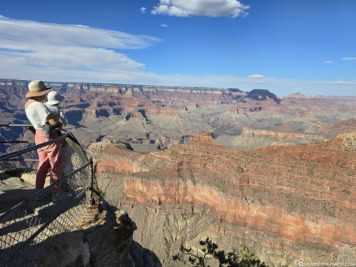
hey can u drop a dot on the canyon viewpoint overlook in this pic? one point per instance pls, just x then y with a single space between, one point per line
187 163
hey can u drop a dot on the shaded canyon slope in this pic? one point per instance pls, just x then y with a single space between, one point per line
286 203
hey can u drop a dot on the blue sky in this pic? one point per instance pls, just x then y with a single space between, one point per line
284 46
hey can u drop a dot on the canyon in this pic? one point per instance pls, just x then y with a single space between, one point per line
186 163
151 118
287 203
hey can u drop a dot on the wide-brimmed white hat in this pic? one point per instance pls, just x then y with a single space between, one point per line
37 88
54 98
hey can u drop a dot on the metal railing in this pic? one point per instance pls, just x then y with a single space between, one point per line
24 162
33 227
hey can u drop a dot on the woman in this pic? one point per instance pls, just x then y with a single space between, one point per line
50 156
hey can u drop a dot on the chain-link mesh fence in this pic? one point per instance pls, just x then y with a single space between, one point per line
24 162
31 228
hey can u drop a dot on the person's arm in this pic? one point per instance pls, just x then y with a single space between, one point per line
62 116
52 119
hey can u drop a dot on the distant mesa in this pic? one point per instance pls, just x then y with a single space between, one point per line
234 90
262 94
297 95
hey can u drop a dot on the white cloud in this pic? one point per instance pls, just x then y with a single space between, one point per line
210 8
336 82
30 44
72 57
256 76
84 26
329 62
143 10
2 17
349 58
244 15
20 34
52 52
164 25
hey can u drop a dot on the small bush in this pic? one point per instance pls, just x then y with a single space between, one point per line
241 257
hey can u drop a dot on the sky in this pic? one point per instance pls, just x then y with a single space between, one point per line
305 46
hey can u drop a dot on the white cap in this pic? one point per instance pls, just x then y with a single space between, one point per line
54 98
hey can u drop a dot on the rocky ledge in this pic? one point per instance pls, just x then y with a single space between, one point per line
101 239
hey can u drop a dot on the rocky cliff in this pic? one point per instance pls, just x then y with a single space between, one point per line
287 203
159 92
287 135
100 239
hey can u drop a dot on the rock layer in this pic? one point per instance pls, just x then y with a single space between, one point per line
287 203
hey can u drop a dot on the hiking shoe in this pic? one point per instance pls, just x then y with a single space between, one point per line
58 196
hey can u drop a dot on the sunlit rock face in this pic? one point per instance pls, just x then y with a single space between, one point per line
286 202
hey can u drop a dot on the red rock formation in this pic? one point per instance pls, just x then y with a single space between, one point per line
287 134
287 128
342 127
288 203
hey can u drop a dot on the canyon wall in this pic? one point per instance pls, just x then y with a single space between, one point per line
287 203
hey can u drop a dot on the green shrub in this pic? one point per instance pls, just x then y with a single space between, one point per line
241 257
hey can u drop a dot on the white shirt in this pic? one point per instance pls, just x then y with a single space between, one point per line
37 113
57 111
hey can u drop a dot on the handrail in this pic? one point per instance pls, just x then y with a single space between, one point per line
25 201
14 125
16 153
45 225
23 232
29 126
13 142
41 229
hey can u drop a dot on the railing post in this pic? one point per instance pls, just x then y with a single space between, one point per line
34 216
91 181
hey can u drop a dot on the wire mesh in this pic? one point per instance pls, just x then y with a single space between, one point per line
34 226
22 163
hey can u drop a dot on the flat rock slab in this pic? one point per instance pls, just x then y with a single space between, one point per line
13 190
